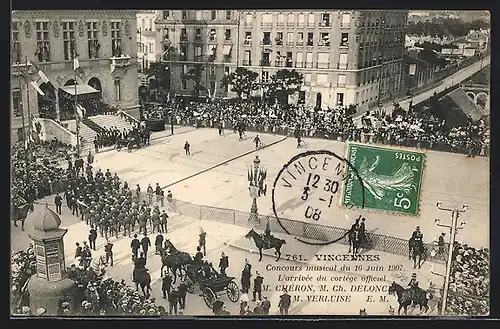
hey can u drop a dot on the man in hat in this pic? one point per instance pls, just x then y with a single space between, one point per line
166 285
145 244
246 274
417 236
284 303
58 202
266 305
108 248
183 287
173 299
223 264
257 286
92 237
135 245
413 284
258 309
149 191
158 193
202 241
158 243
163 221
187 147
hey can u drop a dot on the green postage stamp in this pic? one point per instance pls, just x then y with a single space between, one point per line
390 179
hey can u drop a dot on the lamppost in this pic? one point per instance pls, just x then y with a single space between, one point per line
256 179
454 226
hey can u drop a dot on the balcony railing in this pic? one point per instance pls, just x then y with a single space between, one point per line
345 25
267 24
309 65
299 64
324 24
280 24
247 62
279 42
322 65
291 24
342 66
324 43
289 43
288 63
310 24
310 43
341 84
300 43
265 63
278 63
265 42
247 42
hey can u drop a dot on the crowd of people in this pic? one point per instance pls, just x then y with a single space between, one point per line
469 281
414 128
109 136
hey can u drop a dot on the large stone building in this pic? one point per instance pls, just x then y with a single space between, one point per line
106 45
346 57
146 41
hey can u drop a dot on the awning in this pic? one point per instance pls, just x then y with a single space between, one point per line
80 89
227 49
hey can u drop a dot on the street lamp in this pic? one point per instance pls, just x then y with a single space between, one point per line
454 226
256 179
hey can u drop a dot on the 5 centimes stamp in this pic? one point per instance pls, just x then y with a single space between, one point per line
391 179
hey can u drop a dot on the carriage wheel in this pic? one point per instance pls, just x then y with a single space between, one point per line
209 297
190 285
232 291
129 146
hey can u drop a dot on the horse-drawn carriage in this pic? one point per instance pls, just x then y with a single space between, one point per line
130 143
213 287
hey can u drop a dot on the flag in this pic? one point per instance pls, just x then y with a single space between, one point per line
215 91
42 75
37 88
34 83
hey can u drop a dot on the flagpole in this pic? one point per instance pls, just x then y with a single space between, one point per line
22 107
28 103
77 118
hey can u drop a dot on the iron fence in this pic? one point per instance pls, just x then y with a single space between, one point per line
323 233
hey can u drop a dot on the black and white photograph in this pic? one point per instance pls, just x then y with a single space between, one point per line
249 162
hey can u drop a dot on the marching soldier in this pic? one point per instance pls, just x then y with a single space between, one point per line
135 245
108 248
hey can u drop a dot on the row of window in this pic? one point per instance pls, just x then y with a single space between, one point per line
325 19
43 41
286 59
143 48
198 14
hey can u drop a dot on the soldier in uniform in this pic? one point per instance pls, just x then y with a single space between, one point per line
266 236
202 242
223 264
246 274
150 194
413 284
156 221
163 222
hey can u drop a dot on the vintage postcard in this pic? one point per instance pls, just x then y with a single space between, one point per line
250 162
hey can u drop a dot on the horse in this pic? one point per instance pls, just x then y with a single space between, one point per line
184 257
259 243
354 241
172 262
416 249
405 297
142 278
19 213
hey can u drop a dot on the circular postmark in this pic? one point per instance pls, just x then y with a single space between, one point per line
309 191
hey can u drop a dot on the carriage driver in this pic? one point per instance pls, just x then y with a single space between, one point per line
413 284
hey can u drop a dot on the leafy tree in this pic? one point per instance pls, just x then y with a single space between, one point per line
283 84
161 82
242 81
195 74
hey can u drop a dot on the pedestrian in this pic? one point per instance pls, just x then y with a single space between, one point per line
266 305
182 294
158 193
145 243
246 274
163 221
173 299
284 303
149 191
135 245
140 262
108 249
58 202
186 148
78 251
202 242
223 264
258 309
166 285
158 243
257 286
90 158
92 237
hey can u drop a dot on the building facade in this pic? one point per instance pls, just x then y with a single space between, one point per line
106 46
346 57
146 39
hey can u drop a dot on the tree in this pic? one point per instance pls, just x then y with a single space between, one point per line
161 74
283 84
195 74
242 81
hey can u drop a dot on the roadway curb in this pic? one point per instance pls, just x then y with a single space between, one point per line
223 163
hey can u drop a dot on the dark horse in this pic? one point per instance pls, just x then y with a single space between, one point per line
259 243
416 250
142 278
19 213
405 297
354 236
174 260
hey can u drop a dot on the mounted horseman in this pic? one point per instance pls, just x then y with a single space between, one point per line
20 210
416 247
